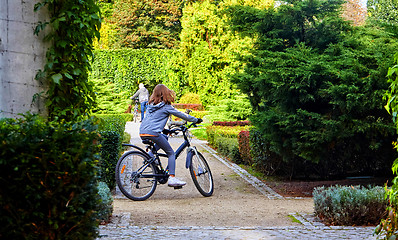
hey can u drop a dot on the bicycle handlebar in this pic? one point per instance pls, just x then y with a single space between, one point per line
178 128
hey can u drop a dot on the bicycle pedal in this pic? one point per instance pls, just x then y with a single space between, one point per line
178 187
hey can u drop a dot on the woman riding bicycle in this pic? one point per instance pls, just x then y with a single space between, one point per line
158 112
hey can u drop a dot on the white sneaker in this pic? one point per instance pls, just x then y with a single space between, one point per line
175 182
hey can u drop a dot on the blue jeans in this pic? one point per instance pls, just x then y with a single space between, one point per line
161 142
143 109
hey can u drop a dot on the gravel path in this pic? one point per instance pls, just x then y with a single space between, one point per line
242 207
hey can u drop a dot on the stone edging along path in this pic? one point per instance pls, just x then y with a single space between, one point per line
255 182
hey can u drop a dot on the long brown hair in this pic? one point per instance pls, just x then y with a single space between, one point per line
161 93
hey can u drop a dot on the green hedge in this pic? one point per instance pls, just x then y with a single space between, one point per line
111 128
225 140
48 179
117 73
350 205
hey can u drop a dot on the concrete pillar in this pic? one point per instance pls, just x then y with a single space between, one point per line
22 54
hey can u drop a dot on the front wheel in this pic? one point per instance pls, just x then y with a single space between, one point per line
201 174
134 177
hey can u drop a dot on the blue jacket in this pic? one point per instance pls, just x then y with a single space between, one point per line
156 117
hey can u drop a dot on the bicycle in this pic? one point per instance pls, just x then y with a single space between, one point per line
135 113
137 173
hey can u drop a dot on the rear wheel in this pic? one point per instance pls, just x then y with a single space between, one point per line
201 174
135 179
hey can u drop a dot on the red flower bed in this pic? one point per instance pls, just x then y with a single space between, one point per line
233 123
195 107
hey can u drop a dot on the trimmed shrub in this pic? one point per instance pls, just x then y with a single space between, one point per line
48 184
230 148
195 107
225 139
244 147
231 123
111 143
237 109
190 98
263 159
116 75
199 114
111 128
105 208
350 205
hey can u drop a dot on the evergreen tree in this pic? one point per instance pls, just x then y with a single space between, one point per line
317 85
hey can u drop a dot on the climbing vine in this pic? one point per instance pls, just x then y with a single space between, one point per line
73 25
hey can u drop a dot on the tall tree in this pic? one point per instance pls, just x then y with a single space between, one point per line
148 23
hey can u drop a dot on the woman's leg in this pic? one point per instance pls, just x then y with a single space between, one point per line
161 142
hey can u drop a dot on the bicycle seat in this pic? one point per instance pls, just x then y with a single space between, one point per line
148 142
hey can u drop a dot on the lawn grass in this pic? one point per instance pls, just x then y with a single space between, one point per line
200 132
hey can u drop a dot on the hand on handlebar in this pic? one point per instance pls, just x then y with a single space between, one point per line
199 121
169 131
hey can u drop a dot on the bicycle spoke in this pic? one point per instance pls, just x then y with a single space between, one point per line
135 180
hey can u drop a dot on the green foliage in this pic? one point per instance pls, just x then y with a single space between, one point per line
236 109
264 160
110 99
388 227
316 86
244 147
349 205
48 179
111 128
117 73
72 27
228 147
385 11
105 208
191 98
148 23
208 49
199 114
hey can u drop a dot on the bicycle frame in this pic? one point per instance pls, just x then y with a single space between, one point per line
180 149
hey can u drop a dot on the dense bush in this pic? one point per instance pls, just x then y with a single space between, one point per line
244 147
263 159
48 184
111 127
191 98
317 88
105 207
350 205
228 147
117 73
231 123
225 139
199 114
222 131
388 227
194 107
236 109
